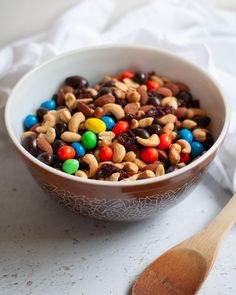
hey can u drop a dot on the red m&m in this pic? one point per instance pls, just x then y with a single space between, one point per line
128 75
106 153
66 152
184 158
165 141
152 85
149 155
120 127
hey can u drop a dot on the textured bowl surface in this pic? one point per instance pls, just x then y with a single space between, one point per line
102 199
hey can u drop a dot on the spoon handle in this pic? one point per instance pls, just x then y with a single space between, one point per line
209 239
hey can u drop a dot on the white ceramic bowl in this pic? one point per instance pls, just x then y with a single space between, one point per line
109 200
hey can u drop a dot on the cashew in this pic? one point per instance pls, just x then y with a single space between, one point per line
145 122
75 121
50 135
152 141
114 109
104 142
118 153
68 136
92 91
199 134
119 93
64 115
106 135
121 86
139 163
49 120
130 83
115 176
146 174
119 165
42 129
168 128
185 146
93 164
157 79
174 153
181 165
189 124
105 138
191 112
81 173
170 101
160 170
70 99
84 100
133 96
130 156
173 135
169 118
134 124
130 167
165 79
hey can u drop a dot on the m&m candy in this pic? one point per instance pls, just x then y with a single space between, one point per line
89 140
70 166
120 127
66 152
186 134
106 153
79 149
149 155
109 121
49 104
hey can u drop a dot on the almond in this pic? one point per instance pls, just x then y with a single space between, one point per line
131 108
105 99
44 145
86 110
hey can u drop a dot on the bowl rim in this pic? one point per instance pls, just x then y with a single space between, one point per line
106 183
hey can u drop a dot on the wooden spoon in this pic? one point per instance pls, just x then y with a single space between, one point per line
182 269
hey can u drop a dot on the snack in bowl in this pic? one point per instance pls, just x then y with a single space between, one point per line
131 126
122 200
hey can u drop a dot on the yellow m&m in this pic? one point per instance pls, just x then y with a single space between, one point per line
95 125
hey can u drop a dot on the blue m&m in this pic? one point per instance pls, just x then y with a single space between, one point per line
30 121
185 134
49 104
196 149
79 149
110 123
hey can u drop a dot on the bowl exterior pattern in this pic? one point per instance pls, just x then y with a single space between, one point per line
130 209
116 203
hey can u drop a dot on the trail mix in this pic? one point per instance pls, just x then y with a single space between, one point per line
133 126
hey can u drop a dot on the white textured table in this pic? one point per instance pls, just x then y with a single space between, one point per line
45 249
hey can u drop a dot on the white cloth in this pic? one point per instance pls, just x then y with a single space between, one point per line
193 29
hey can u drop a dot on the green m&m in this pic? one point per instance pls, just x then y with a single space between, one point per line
89 139
70 166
